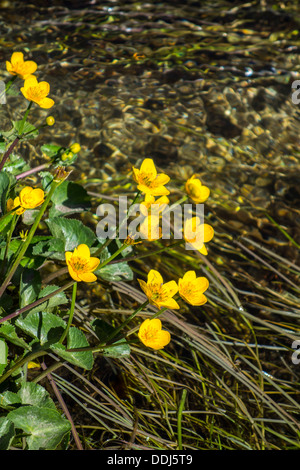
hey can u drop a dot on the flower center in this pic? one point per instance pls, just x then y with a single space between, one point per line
78 264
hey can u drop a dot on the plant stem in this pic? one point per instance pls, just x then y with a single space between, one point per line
71 314
114 255
179 418
16 263
8 152
35 303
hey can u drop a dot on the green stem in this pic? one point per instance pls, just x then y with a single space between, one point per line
16 263
35 303
71 314
114 255
179 418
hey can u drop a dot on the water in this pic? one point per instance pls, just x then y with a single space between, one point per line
200 87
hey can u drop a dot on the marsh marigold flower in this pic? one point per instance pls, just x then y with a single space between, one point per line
158 293
17 66
152 335
29 198
196 191
196 234
149 181
191 288
37 92
81 265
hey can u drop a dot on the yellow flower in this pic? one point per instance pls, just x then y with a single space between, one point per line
149 182
11 204
37 92
81 264
28 198
17 66
196 234
152 335
191 288
158 293
197 192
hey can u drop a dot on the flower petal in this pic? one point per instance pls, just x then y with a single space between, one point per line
87 277
92 264
154 277
17 58
171 288
73 274
45 103
148 167
170 303
83 251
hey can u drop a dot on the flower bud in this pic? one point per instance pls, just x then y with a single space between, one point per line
75 148
50 120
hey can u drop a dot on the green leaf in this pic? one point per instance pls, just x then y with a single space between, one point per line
9 399
53 248
45 426
16 164
44 326
4 188
49 304
3 352
75 339
27 127
71 231
30 286
34 394
115 272
8 332
51 150
103 330
7 433
69 198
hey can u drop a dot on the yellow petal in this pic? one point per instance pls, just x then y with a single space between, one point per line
87 277
148 167
31 67
83 251
17 58
44 88
68 256
30 82
170 303
73 273
208 233
189 276
92 264
46 103
171 288
164 338
201 284
143 286
154 277
162 179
